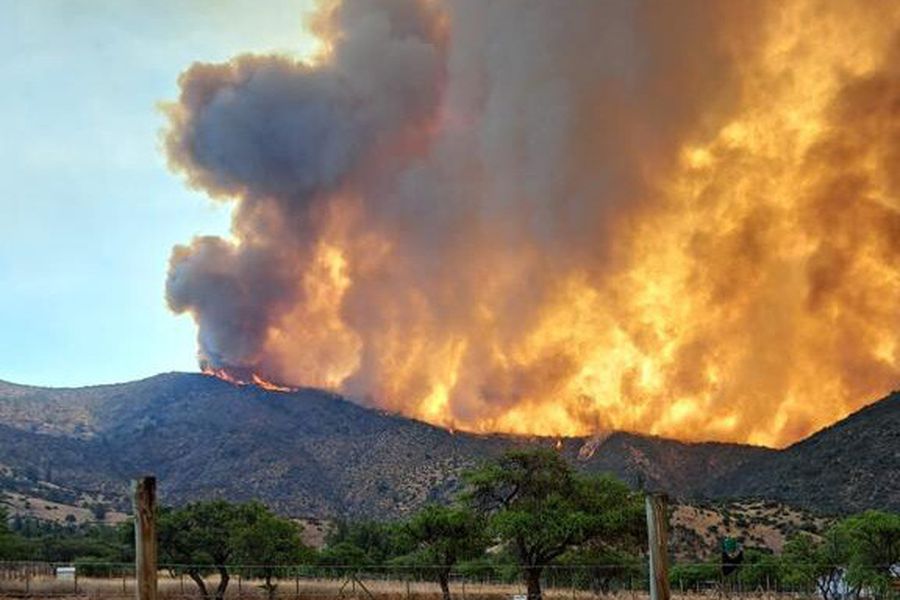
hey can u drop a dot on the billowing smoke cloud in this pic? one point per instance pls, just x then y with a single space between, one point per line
677 218
280 137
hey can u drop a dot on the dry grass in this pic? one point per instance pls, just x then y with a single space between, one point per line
55 512
318 589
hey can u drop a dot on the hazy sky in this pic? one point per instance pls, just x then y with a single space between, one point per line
89 210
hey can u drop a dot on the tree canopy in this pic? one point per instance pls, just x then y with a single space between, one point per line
206 536
443 535
873 541
268 543
541 507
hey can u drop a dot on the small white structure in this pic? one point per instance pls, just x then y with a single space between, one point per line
67 572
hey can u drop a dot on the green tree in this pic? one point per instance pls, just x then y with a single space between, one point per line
272 543
442 536
615 556
695 575
541 507
342 554
601 569
874 546
11 544
200 538
807 561
378 542
49 541
759 569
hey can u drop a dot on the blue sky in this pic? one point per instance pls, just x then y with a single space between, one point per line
89 210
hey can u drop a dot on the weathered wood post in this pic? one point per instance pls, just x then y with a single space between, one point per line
145 538
657 536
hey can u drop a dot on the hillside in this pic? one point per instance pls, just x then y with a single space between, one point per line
312 453
849 466
660 464
307 452
697 529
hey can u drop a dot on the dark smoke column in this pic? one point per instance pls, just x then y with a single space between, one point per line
279 138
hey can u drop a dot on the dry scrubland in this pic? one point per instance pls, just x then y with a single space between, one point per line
57 512
697 530
311 453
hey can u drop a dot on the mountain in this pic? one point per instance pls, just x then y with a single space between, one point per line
313 453
850 466
307 452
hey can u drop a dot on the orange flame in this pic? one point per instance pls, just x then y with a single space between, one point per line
272 387
255 379
752 306
753 295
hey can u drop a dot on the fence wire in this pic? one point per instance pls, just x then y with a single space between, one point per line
420 582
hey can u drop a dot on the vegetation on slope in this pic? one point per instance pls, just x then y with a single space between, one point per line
313 454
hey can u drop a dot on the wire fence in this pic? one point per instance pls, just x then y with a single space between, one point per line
569 582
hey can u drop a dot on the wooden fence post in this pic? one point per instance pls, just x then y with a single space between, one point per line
145 538
657 536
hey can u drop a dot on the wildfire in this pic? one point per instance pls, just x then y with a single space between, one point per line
692 231
255 379
272 387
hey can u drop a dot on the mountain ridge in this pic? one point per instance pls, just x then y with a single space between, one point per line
314 453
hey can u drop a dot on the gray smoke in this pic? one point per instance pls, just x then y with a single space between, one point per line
279 136
555 216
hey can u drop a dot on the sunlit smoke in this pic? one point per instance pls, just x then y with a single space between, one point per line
558 218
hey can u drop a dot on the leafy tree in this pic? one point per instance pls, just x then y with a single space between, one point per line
541 507
92 566
600 569
49 541
270 542
614 557
124 538
66 548
759 568
500 566
442 536
200 538
12 546
807 561
874 543
343 554
695 575
378 542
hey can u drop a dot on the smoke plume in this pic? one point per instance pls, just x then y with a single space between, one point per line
559 218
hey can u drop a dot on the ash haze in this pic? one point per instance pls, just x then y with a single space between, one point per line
89 210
